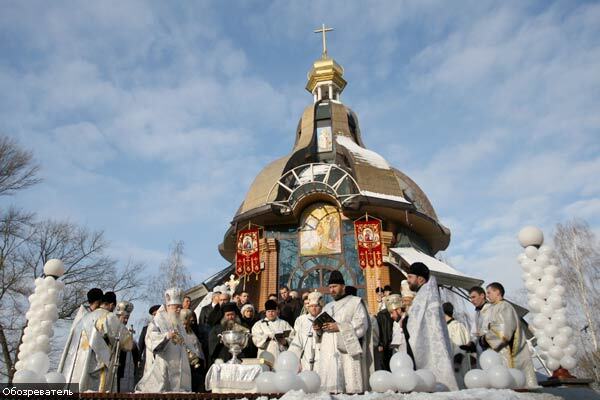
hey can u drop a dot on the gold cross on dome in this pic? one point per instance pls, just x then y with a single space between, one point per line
322 31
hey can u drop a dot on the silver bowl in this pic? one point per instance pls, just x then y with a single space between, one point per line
235 341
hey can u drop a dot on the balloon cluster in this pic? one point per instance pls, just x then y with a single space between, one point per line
33 363
546 301
494 374
286 377
404 378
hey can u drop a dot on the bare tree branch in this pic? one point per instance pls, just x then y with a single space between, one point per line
17 168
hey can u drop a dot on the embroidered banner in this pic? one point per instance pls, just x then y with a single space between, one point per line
368 242
247 259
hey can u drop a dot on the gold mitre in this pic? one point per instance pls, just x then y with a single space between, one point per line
405 289
173 296
393 302
124 308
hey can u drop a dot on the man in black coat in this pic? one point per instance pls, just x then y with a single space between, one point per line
230 321
289 308
384 351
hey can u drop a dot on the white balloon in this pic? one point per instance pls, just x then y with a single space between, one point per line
570 350
312 381
19 365
39 363
530 236
552 270
547 310
381 381
536 271
561 340
405 379
521 258
544 342
54 267
55 377
540 321
548 281
267 356
532 284
552 364
476 378
48 282
542 259
566 330
518 378
286 381
287 361
545 249
542 292
38 282
559 320
526 275
500 377
558 290
568 362
556 352
265 382
27 376
531 252
401 360
535 304
428 378
551 330
420 385
489 359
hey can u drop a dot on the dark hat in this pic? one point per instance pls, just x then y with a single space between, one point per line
94 295
227 307
270 305
109 297
379 290
153 309
336 278
350 290
448 309
387 288
419 269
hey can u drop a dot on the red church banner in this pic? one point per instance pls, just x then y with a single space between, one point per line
368 242
247 259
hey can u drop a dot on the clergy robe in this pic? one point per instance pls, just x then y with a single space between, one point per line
98 335
69 355
263 336
506 335
480 325
398 341
346 358
305 344
428 335
459 336
167 367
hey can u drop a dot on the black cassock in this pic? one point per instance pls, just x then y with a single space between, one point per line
216 349
385 323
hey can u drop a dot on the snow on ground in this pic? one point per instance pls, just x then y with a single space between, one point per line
470 394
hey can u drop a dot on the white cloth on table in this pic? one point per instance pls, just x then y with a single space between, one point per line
233 378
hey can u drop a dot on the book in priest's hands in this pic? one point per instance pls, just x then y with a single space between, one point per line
282 334
322 319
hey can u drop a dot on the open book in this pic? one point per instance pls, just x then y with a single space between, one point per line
323 318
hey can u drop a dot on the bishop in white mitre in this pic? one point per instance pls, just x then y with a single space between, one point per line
506 335
427 335
305 344
346 358
271 334
169 369
97 334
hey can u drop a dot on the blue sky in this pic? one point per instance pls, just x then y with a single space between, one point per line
151 119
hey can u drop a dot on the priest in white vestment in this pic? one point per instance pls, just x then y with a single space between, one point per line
169 371
272 334
506 335
99 332
305 344
67 361
428 339
346 348
459 336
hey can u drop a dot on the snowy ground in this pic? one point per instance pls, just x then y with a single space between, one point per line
471 394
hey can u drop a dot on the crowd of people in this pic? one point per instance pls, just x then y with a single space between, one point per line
339 340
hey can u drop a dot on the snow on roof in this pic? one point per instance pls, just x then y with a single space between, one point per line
362 154
445 274
384 196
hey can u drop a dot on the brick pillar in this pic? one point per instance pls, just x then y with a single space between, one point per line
372 275
268 276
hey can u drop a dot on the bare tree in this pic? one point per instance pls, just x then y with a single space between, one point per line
172 272
578 253
87 265
17 168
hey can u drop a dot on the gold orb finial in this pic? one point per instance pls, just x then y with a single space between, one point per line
326 74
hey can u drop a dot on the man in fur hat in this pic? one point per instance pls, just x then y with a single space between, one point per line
272 334
346 349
